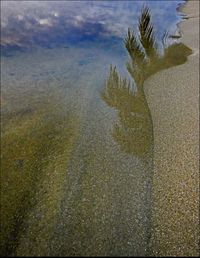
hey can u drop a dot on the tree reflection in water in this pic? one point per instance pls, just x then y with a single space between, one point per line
134 131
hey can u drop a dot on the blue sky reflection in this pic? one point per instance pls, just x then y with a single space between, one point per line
25 24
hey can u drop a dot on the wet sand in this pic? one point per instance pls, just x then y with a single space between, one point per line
86 195
173 97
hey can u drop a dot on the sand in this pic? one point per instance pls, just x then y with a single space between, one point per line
173 97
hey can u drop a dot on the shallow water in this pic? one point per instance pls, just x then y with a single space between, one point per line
76 179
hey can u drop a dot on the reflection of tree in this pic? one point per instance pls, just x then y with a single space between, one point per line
134 132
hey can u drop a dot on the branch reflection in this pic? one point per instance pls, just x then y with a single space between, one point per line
134 131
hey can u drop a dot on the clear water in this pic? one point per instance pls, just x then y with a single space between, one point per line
73 179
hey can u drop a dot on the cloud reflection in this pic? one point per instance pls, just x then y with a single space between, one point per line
51 23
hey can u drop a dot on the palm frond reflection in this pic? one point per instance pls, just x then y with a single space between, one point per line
134 131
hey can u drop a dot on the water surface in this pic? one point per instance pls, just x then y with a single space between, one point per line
76 179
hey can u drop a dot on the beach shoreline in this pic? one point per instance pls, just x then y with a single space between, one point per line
173 98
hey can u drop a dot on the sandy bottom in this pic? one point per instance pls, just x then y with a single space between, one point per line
173 97
68 188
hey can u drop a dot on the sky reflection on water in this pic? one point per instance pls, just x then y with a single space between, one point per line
66 150
53 23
